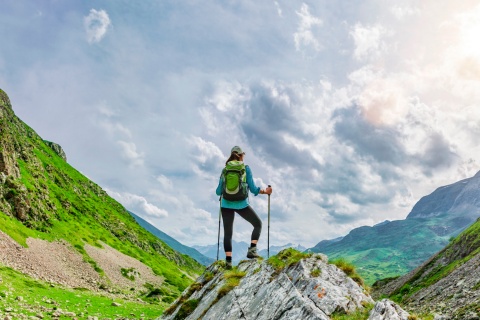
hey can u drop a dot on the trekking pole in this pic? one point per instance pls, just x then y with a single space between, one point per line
268 234
219 217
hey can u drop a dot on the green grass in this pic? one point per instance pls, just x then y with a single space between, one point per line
41 297
287 258
359 314
349 270
316 272
232 278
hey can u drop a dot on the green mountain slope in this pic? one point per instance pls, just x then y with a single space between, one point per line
393 248
174 244
42 196
448 283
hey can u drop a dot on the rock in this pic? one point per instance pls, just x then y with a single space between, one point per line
116 304
70 314
8 309
265 293
19 298
57 148
388 310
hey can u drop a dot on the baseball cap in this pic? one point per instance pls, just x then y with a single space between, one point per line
237 149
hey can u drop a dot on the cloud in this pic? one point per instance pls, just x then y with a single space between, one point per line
138 204
96 25
368 41
165 182
381 144
305 36
279 9
129 153
403 12
207 157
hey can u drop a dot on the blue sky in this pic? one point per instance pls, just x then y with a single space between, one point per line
352 110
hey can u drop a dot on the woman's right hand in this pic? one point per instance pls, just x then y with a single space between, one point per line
268 190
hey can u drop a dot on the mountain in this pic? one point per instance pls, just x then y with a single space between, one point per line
239 250
447 284
174 244
59 227
393 248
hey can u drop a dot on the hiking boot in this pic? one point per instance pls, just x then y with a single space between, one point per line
228 265
252 253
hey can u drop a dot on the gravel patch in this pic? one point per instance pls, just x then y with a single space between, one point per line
112 262
58 262
54 262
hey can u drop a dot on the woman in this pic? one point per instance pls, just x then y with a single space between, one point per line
242 207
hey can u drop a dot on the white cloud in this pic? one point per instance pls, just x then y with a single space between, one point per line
368 41
279 9
129 152
96 25
138 204
305 36
165 182
403 12
207 156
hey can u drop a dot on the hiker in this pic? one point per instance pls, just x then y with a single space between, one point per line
238 176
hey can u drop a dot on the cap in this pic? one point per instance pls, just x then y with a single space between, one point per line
237 149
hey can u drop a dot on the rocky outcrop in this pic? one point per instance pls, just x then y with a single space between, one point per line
57 148
388 310
308 289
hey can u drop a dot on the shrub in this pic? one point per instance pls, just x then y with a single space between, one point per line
349 270
286 258
232 278
186 309
316 272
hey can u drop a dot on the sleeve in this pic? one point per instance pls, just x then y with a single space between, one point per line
251 184
220 185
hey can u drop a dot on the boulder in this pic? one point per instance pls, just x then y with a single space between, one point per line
388 310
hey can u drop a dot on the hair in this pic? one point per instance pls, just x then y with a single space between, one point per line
234 156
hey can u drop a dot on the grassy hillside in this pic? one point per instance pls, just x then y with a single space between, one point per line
42 196
457 253
174 244
22 297
390 249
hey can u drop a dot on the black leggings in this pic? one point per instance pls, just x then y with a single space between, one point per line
228 216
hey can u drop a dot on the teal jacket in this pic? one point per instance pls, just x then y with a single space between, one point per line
238 204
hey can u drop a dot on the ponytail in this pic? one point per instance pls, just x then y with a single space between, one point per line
233 156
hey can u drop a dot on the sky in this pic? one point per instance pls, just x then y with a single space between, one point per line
351 110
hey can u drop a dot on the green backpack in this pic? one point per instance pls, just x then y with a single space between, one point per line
235 186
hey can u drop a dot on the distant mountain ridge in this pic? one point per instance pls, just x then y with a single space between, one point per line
239 250
193 253
395 247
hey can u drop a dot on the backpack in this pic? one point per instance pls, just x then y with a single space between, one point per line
235 186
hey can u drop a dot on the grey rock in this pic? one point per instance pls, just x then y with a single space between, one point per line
388 310
57 148
264 293
116 304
